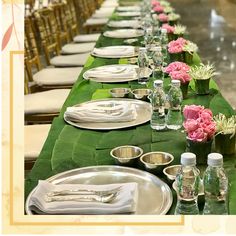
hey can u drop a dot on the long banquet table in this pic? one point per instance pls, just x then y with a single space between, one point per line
68 147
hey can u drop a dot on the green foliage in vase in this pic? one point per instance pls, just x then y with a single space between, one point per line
173 16
202 72
168 9
179 29
190 47
225 125
164 3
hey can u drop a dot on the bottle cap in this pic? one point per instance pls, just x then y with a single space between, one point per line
175 82
188 159
215 159
163 31
158 83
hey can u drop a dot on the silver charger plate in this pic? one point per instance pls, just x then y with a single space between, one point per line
111 79
119 33
154 196
143 109
135 54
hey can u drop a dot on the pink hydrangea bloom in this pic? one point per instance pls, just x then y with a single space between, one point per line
198 135
178 70
176 46
170 29
190 125
177 66
192 111
209 129
199 123
155 3
158 9
163 17
206 114
180 75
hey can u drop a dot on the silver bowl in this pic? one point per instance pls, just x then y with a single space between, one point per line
119 92
126 155
156 161
171 171
141 94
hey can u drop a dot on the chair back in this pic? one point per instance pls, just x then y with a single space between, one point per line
61 19
31 51
48 32
71 14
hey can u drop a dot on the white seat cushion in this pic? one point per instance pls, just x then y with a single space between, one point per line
105 10
45 102
77 48
94 21
35 136
71 60
86 38
101 15
57 76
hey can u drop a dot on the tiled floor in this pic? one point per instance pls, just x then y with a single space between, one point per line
212 25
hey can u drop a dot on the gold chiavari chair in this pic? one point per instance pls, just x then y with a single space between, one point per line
70 13
47 78
45 22
46 25
42 107
84 10
61 22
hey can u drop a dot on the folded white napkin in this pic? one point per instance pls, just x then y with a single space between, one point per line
123 33
104 112
115 51
128 8
125 23
129 13
112 72
124 202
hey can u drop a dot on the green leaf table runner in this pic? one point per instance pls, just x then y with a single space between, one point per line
68 147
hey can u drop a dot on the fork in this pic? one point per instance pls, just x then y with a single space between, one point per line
83 198
83 192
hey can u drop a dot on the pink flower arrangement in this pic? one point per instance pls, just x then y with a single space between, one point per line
199 123
170 29
178 70
155 3
176 46
163 17
158 8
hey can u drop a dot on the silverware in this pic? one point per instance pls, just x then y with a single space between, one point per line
84 192
82 198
